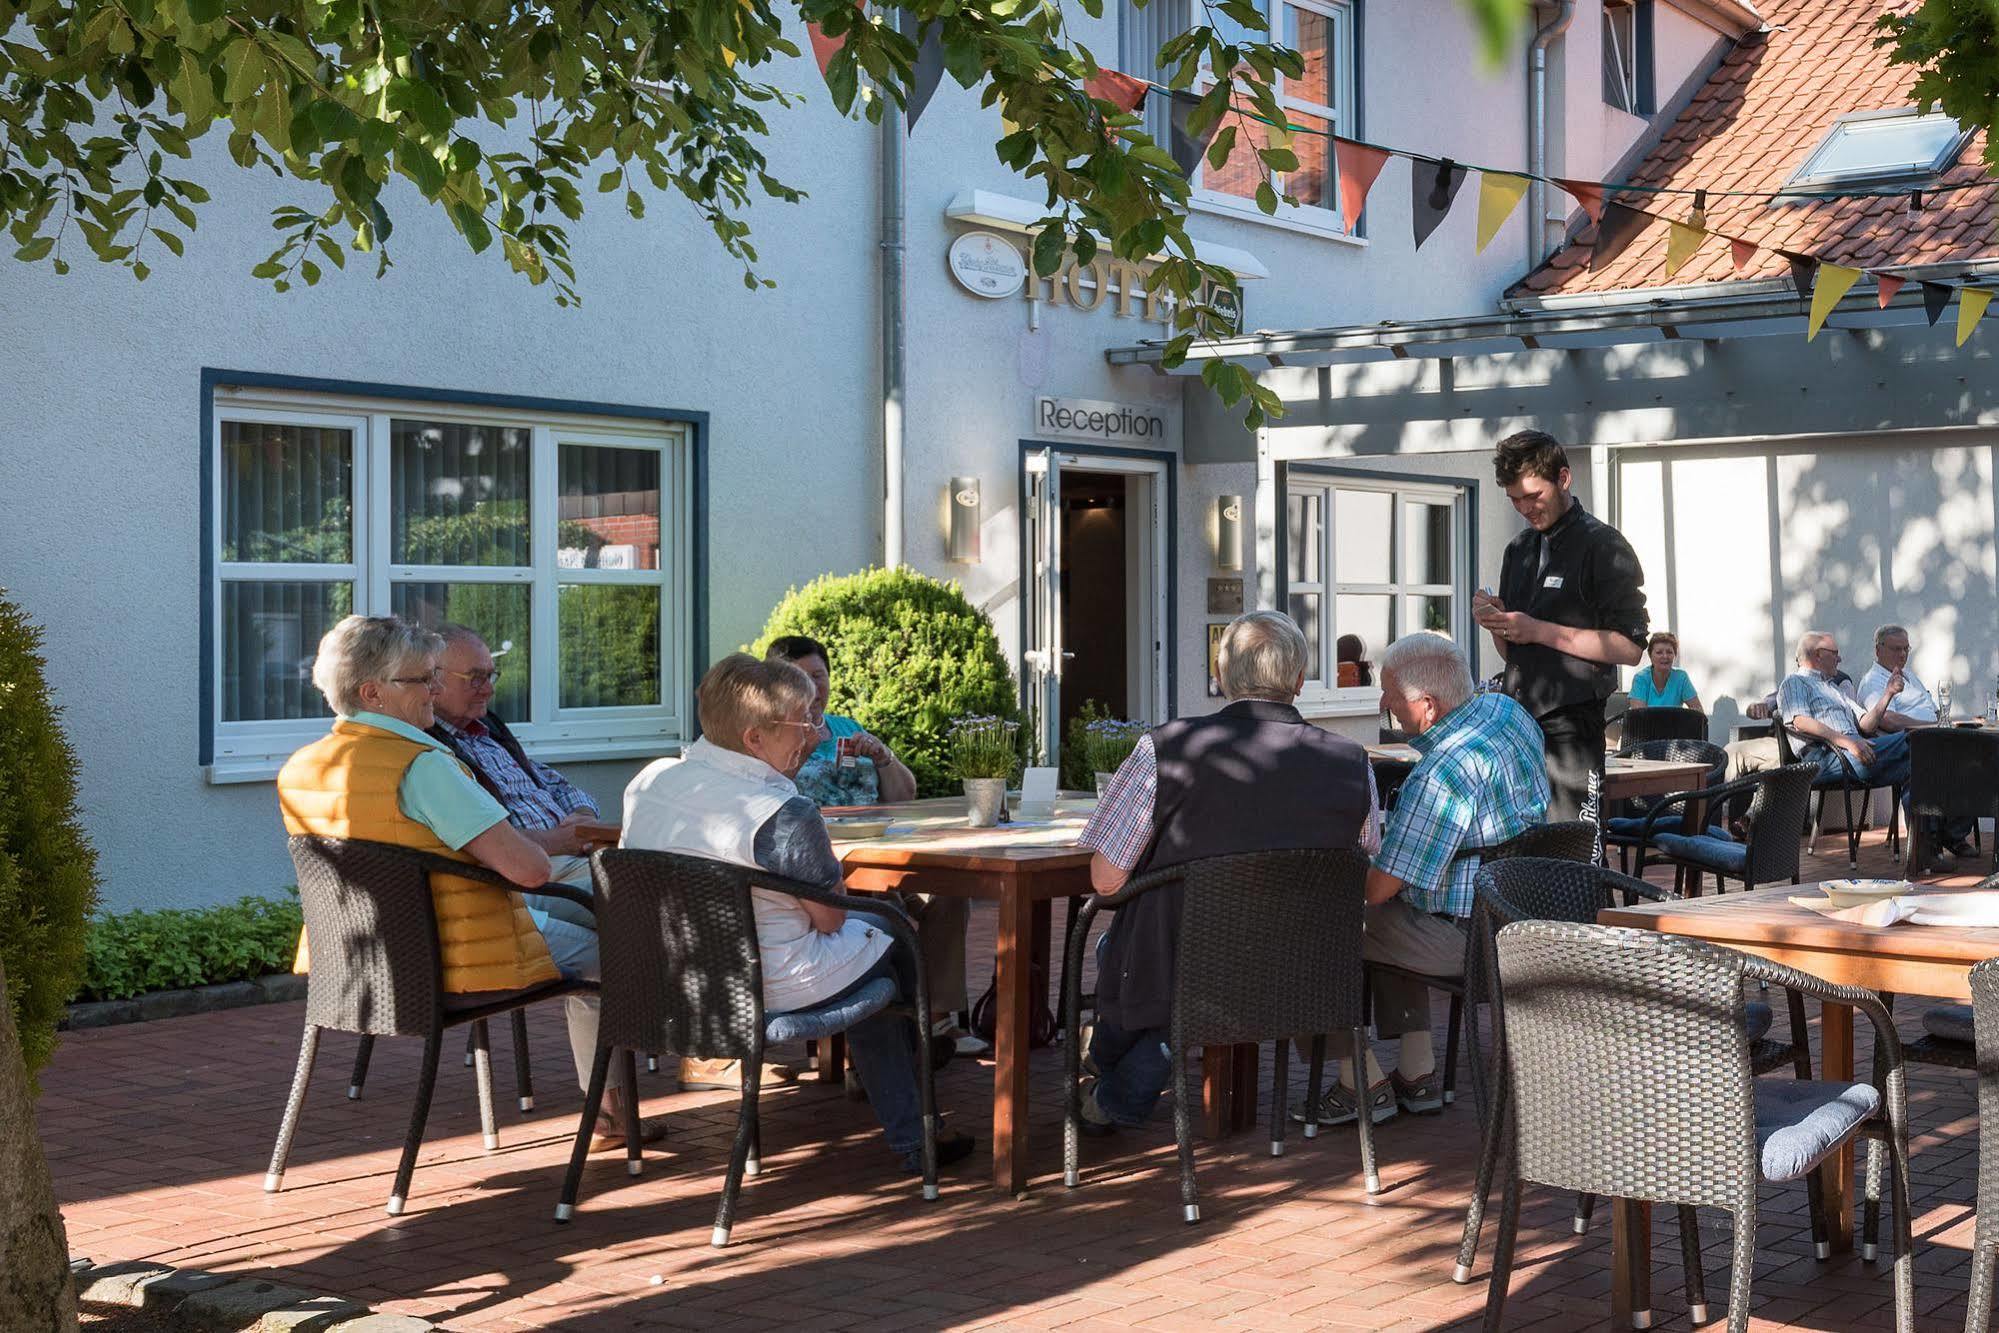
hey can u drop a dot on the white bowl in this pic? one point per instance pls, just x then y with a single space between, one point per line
856 828
1860 892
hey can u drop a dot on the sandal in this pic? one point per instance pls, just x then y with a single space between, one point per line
652 1129
1337 1105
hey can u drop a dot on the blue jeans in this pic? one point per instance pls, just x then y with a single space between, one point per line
1132 1067
883 1048
1890 764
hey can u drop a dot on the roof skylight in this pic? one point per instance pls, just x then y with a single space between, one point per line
1881 147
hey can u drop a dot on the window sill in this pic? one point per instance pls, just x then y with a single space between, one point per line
238 769
1334 704
1285 219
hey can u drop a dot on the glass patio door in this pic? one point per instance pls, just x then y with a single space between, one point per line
1041 654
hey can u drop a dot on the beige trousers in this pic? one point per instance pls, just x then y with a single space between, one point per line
1397 933
1752 756
940 927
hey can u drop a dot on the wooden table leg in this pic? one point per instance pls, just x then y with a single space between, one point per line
1217 1089
1011 982
1242 1102
1836 1066
1631 1263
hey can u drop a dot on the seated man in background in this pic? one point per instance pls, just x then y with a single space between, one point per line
730 798
1481 780
1832 721
1254 777
1911 707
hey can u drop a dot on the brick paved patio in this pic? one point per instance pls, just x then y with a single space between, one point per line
158 1135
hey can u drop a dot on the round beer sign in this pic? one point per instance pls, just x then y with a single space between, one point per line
987 265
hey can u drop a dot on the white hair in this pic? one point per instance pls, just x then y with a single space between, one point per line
1887 632
1262 655
1809 641
1429 663
364 648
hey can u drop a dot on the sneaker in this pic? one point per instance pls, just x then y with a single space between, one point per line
1094 1122
1962 849
710 1075
1338 1107
1419 1096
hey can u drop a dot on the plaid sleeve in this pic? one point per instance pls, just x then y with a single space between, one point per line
566 793
1121 828
1431 823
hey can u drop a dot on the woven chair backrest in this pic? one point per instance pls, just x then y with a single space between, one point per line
1269 946
1567 840
1985 1021
373 936
1626 1066
1664 724
1776 817
1953 774
677 944
1677 752
1534 888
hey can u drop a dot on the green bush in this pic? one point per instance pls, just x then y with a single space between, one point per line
909 654
131 953
48 870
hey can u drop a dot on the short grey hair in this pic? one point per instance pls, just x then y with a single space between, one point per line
452 632
1887 632
1427 662
1808 643
1262 655
364 648
740 692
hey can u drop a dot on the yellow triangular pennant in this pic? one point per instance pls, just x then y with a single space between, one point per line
1499 193
1971 305
1681 242
1833 282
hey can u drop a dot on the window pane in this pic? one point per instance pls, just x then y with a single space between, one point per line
609 647
1312 183
270 634
458 494
287 493
1305 527
1891 145
1305 610
1365 624
498 611
1427 612
609 511
1310 34
1362 524
1426 543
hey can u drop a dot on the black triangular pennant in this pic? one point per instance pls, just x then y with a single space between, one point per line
1936 295
928 70
1618 228
1804 272
1432 191
1186 146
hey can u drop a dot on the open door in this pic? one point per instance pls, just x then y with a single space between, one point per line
1042 656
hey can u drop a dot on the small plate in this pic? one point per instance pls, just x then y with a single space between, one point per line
856 829
1977 908
1859 892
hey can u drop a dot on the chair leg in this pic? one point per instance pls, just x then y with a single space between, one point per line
1502 1249
634 1139
1585 1206
1279 1095
1454 1022
1905 1258
1481 1191
1815 1210
746 1131
359 1078
1818 821
1314 1082
652 1063
1183 1134
308 1048
1370 1175
482 1065
1690 1260
468 1050
593 1101
1072 1089
1852 830
1870 1212
1984 1262
426 1082
523 1076
1742 1268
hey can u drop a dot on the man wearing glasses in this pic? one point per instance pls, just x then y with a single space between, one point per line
545 806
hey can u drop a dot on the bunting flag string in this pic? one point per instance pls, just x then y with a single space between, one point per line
1834 282
1936 296
1358 164
1430 201
1682 240
1499 193
1971 303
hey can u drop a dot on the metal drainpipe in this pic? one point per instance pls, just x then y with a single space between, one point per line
1537 129
893 330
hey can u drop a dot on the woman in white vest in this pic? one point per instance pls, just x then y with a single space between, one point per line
731 797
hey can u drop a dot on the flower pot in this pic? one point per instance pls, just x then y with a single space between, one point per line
985 798
1104 782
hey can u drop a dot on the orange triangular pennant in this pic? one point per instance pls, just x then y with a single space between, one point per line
1121 90
1741 252
1588 193
1358 165
824 48
1885 287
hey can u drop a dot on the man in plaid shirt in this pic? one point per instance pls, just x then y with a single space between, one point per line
1481 780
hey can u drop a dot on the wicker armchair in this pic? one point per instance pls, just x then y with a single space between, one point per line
1985 1241
1952 775
1779 799
1269 946
1567 840
1528 889
376 971
1662 724
1846 782
1624 1070
1621 831
681 972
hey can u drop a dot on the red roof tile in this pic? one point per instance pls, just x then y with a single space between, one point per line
1749 128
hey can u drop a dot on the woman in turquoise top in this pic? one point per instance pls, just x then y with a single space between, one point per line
1663 685
872 774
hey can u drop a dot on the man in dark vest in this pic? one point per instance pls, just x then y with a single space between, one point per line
1253 777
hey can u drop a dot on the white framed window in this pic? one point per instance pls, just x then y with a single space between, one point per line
1368 560
1321 103
1621 55
565 540
1882 147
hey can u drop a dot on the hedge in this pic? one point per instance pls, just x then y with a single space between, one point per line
132 953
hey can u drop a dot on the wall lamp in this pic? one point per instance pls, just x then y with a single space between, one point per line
962 540
1228 531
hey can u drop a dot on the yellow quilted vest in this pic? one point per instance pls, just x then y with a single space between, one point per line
344 786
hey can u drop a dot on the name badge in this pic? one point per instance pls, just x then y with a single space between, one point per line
1552 581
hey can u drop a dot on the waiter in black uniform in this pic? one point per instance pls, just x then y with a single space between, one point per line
1570 611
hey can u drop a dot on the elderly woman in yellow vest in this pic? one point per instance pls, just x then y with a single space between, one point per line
377 776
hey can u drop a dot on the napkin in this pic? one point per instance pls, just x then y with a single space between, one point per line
1884 912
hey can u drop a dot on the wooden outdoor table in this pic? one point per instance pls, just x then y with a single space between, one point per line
1622 777
1905 959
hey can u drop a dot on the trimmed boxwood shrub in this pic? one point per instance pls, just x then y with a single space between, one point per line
909 654
132 953
48 869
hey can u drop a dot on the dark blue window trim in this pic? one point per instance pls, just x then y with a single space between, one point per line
212 378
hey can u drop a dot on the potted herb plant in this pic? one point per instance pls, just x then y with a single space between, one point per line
1107 743
984 752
